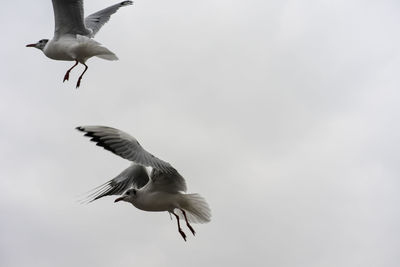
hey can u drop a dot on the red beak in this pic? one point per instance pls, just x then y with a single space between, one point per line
118 199
30 45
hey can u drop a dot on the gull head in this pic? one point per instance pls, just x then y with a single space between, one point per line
128 196
39 45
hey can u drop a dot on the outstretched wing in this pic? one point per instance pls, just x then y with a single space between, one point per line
167 182
134 176
125 146
68 18
98 19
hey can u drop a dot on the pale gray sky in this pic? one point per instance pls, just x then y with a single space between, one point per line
284 115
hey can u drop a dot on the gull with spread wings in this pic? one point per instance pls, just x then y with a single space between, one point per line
73 34
162 190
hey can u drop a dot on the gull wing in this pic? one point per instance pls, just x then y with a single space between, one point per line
68 18
167 182
96 20
134 176
125 146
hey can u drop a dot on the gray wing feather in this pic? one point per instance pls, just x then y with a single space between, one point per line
125 146
96 20
68 18
167 182
134 176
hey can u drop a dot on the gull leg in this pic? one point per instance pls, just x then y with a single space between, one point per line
179 227
66 77
187 223
80 77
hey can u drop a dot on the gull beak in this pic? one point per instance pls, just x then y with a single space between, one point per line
119 199
30 45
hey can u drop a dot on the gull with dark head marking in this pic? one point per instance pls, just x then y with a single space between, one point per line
73 34
162 190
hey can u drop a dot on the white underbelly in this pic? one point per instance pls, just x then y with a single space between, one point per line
60 50
157 202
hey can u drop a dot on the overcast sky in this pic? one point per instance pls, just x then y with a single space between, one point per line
284 115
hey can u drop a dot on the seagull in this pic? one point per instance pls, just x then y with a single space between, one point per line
162 190
73 34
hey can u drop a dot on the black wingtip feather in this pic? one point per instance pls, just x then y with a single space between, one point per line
126 3
94 138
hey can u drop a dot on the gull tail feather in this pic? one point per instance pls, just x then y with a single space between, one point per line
92 48
108 56
196 208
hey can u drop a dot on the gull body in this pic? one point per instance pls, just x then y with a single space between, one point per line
73 35
154 201
79 48
161 190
